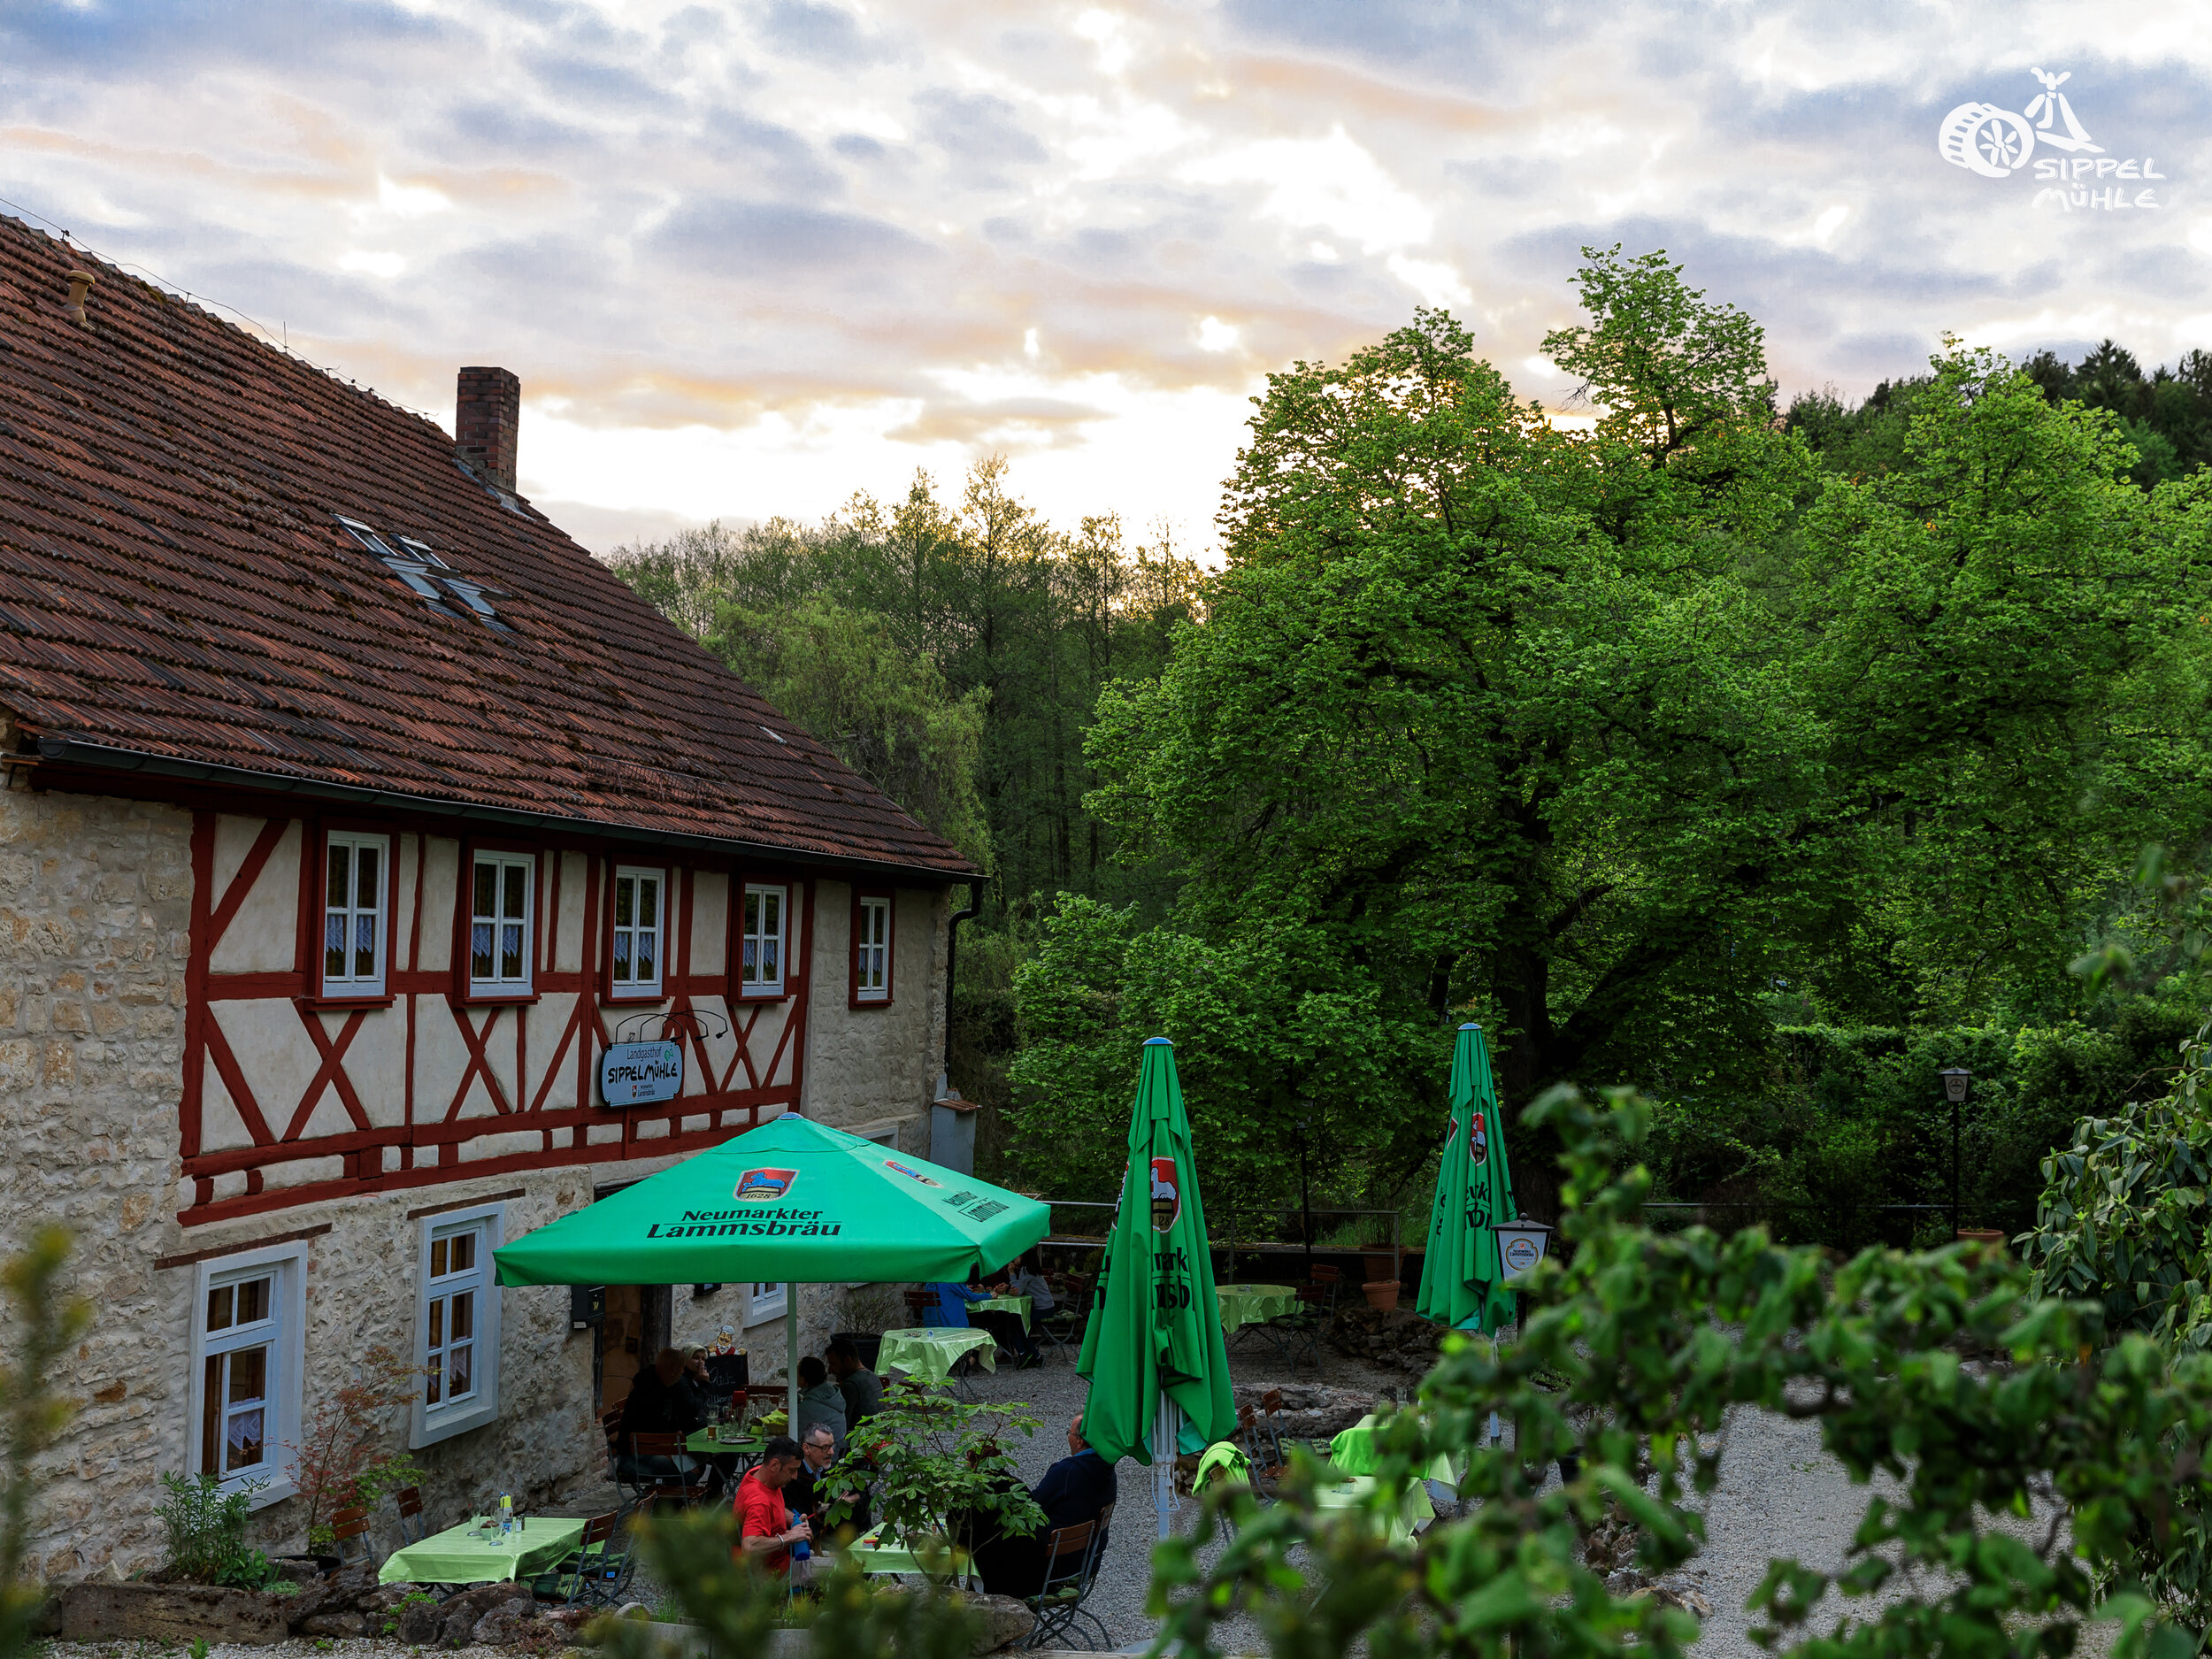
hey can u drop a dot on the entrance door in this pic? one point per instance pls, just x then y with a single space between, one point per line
636 1328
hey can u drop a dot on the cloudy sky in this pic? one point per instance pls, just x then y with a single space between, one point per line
750 257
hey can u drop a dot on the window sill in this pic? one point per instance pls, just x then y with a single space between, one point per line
868 1001
634 999
473 998
430 1430
762 994
337 1000
270 1492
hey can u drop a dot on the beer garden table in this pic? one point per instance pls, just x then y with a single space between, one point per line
1353 1453
1352 1491
930 1352
1005 1304
876 1554
1253 1304
473 1553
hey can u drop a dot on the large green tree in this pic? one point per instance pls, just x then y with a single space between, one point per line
1599 736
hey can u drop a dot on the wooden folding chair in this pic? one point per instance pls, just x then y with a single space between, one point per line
1071 1555
350 1527
597 1572
681 1486
413 1528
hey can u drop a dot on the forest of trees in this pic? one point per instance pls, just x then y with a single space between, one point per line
1766 760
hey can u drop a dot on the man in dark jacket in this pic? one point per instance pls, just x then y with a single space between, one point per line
1073 1491
663 1401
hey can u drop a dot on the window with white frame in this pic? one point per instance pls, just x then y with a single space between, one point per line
872 950
499 923
355 879
762 951
763 1302
248 1318
458 1325
638 928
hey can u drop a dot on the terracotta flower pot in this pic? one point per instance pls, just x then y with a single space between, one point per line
1379 1262
1382 1294
1991 1239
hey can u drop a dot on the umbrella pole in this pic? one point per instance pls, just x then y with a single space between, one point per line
791 1357
1164 1438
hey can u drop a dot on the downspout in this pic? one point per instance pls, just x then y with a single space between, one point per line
952 946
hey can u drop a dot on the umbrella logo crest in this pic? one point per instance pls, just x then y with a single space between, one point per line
764 1186
910 1174
1477 1139
1167 1194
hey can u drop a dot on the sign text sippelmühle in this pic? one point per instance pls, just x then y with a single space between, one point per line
747 1224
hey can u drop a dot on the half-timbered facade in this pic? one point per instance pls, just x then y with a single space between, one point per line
351 814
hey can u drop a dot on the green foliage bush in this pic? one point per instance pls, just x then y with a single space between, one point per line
1988 1413
205 1534
44 1322
1851 1119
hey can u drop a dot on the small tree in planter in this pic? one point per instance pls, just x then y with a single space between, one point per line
344 1457
940 1468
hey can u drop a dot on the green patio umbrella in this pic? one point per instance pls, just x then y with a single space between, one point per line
1461 1284
1154 1343
792 1202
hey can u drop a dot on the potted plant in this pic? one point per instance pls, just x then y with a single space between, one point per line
1382 1294
941 1474
344 1458
1379 1257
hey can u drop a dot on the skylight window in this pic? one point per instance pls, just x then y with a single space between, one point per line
418 566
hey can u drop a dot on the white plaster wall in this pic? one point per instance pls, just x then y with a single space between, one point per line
865 1066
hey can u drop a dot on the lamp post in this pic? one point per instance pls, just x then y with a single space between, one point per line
1305 1191
1956 1080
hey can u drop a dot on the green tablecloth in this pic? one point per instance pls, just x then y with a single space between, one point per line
699 1445
470 1553
1344 1494
1005 1304
1253 1304
928 1351
1353 1453
876 1555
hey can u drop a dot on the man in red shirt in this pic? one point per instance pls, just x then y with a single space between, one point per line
764 1527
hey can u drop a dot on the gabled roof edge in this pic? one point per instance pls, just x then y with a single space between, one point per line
102 758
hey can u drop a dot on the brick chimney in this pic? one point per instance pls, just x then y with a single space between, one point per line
486 408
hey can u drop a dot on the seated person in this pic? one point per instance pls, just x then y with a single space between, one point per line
662 1401
809 1495
861 1388
819 1402
1073 1491
951 1305
1025 1276
765 1530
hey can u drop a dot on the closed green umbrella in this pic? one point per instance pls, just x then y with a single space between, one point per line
792 1202
1462 1282
1154 1343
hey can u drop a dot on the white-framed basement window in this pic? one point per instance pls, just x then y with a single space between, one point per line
639 928
761 947
456 1324
872 950
357 876
499 923
248 1324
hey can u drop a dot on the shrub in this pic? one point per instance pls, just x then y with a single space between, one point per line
205 1529
46 1323
1939 1372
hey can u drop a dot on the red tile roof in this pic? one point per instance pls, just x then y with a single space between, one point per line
174 584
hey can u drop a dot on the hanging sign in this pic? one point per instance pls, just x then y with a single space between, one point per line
1521 1245
639 1073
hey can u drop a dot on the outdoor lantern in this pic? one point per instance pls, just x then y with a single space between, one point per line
1521 1245
1956 1080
